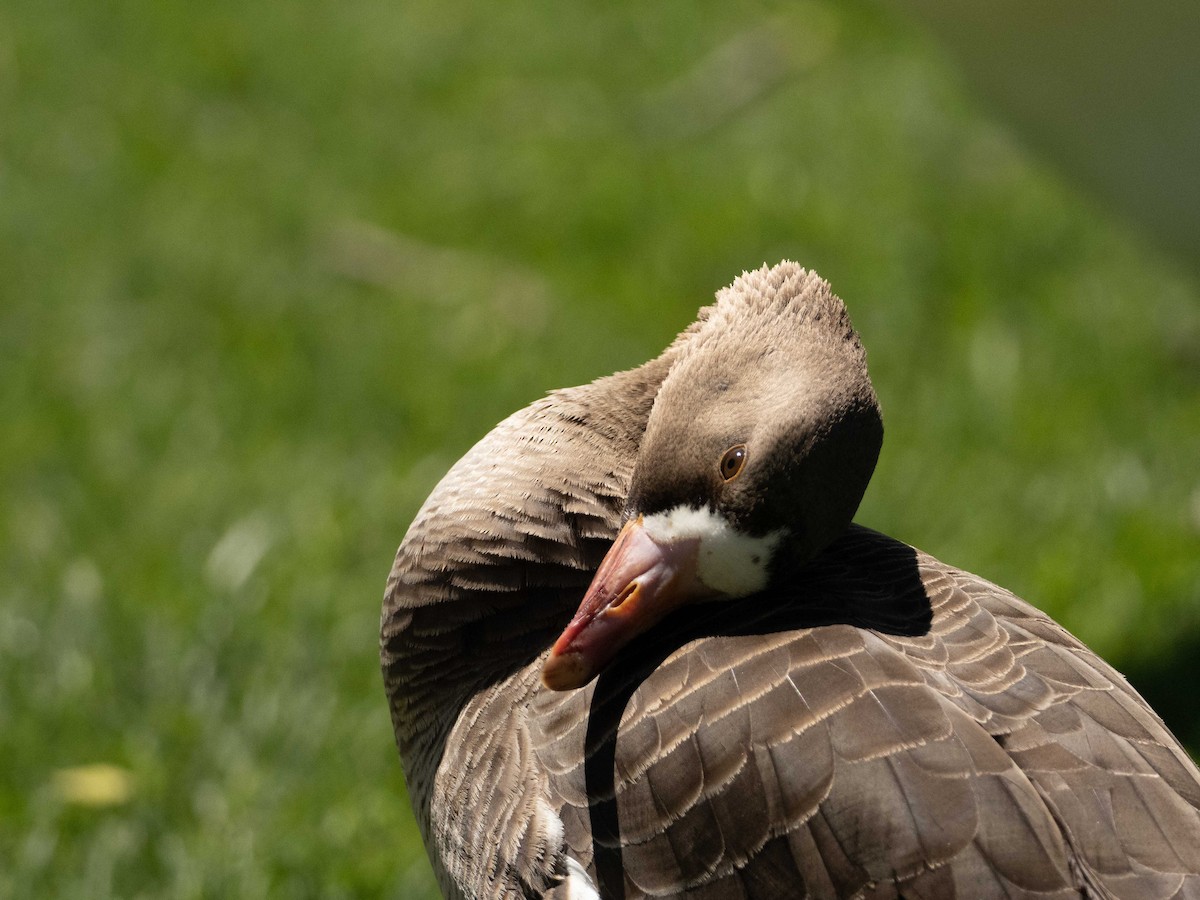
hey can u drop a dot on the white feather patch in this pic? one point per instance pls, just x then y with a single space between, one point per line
729 561
548 823
579 884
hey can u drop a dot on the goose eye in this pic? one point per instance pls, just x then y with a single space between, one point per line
732 462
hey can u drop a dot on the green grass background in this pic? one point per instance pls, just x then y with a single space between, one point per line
267 269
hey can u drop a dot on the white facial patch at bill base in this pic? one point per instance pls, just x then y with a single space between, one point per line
728 560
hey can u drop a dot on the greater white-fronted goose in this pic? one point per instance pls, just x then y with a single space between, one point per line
754 697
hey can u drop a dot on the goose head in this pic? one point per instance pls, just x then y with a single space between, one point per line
756 454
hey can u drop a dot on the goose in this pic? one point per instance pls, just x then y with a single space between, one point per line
634 646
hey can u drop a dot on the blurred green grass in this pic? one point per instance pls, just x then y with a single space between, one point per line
268 270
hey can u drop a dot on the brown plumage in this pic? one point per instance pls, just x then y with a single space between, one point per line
872 723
